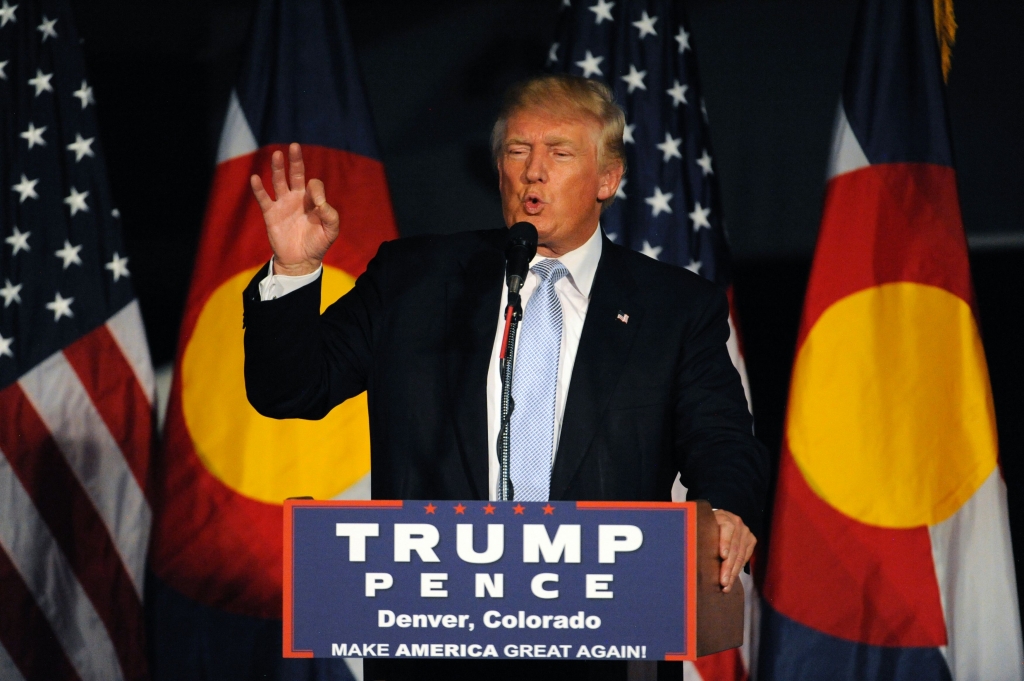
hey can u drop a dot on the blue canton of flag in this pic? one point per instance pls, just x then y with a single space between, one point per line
76 383
667 205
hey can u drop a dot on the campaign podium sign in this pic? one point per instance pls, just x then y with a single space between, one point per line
503 580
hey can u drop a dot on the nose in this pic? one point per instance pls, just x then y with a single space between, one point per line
535 169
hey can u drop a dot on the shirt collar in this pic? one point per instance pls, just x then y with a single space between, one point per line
581 263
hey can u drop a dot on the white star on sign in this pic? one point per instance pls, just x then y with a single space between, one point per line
18 241
619 194
651 251
678 93
10 293
3 64
41 82
7 14
700 217
26 188
76 200
590 65
46 28
69 254
627 134
84 95
705 164
34 135
81 147
5 346
683 38
670 147
646 25
694 266
659 202
635 79
602 10
118 266
553 53
61 307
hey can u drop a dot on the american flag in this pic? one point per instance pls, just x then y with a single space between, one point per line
76 383
667 206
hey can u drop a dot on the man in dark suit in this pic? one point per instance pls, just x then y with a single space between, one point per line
622 366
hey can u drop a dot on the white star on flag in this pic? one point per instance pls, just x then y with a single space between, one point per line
646 25
7 14
18 241
659 202
115 213
553 53
26 188
81 147
34 135
46 28
84 95
635 79
61 307
5 346
683 38
627 134
670 147
118 266
590 65
10 293
678 93
69 254
651 251
705 164
566 3
602 10
41 82
694 266
3 64
76 200
619 193
700 217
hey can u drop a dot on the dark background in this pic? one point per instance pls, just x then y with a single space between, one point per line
434 73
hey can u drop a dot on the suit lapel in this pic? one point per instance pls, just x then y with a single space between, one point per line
471 307
604 344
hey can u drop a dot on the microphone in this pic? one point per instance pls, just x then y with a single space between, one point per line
519 251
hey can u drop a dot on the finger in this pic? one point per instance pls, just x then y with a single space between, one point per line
296 168
318 197
262 197
277 176
725 550
739 552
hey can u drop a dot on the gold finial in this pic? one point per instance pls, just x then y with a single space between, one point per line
945 32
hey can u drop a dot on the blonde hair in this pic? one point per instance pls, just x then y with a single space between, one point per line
568 96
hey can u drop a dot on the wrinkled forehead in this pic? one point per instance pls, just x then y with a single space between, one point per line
565 124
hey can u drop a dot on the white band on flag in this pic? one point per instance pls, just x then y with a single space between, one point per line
847 154
8 670
236 138
127 329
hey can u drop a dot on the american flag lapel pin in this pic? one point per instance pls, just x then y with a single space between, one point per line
622 317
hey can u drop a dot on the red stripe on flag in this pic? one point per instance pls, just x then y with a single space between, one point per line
25 633
112 386
77 527
724 666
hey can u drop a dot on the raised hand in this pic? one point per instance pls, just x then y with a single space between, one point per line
301 225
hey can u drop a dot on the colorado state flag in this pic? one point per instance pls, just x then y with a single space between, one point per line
890 550
225 470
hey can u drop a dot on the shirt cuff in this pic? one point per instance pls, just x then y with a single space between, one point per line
278 285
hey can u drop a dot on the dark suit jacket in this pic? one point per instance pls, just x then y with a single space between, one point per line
647 398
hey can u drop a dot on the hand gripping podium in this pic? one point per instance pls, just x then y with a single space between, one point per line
505 580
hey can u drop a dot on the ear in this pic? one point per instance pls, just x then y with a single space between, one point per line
609 180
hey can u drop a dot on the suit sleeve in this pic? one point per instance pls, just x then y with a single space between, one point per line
719 458
301 364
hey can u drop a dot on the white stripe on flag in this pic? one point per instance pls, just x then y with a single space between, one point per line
974 567
127 329
847 154
8 670
37 557
236 138
64 406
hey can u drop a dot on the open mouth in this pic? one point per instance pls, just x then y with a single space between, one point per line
533 205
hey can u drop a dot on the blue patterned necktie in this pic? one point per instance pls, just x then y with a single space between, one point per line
534 383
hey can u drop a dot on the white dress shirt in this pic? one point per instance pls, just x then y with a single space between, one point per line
573 293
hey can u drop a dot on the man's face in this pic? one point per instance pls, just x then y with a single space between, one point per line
549 176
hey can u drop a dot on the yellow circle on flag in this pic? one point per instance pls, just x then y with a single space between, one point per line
891 418
265 459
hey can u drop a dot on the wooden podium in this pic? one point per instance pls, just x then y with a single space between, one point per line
719 614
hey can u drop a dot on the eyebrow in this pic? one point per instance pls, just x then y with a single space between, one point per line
548 141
